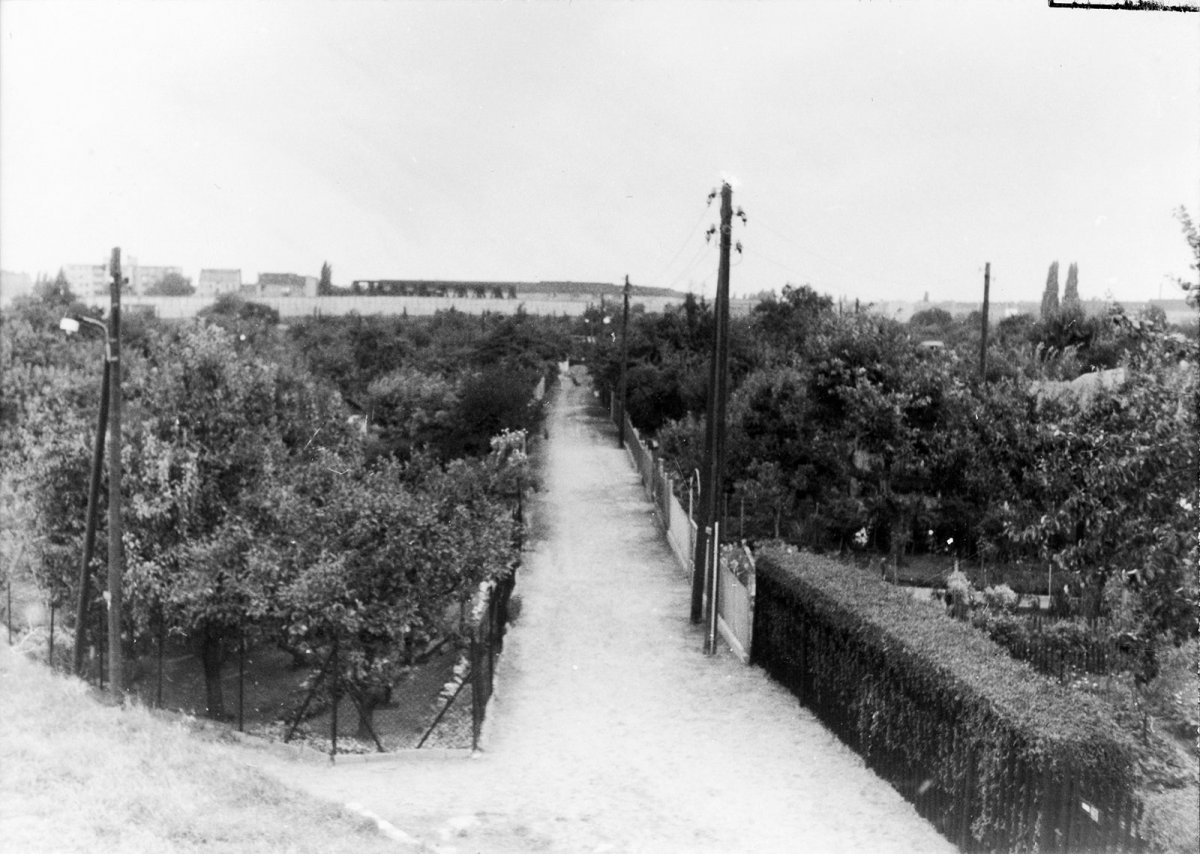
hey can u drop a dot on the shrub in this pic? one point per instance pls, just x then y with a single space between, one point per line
1000 598
995 755
1057 648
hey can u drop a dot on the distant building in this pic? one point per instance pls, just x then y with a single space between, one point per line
95 280
282 285
142 279
213 283
88 279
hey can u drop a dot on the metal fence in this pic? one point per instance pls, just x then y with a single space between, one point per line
487 641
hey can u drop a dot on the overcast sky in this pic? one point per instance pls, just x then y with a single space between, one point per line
880 150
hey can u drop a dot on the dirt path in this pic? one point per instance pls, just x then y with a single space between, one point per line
610 731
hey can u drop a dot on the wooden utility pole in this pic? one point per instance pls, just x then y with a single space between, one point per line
624 392
987 278
89 537
116 670
713 472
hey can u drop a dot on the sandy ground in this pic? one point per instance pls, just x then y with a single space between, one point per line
610 730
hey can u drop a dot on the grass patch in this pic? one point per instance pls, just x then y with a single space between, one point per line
78 775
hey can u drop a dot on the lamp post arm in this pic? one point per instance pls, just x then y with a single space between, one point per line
103 327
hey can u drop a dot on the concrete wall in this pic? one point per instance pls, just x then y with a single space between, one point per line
174 308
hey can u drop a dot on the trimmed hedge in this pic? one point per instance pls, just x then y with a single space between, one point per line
996 756
1057 648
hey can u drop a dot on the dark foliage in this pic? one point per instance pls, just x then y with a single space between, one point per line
994 755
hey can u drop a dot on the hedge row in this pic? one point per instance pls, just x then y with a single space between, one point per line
1058 648
996 756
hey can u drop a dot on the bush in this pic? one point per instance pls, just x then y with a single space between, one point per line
1000 598
1056 649
995 755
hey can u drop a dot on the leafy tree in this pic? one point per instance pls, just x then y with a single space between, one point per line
1050 294
234 306
789 320
1070 300
523 341
56 291
171 285
489 402
381 558
325 283
1192 235
209 430
251 325
1153 316
49 395
411 411
767 487
1114 488
1015 328
656 394
931 320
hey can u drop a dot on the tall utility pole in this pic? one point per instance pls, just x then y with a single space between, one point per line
624 392
89 537
987 279
713 472
116 669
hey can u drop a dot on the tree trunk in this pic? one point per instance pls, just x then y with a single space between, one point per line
367 702
211 657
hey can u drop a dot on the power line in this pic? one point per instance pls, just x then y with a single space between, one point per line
690 234
852 271
692 264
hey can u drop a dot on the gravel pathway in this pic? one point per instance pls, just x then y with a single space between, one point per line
609 730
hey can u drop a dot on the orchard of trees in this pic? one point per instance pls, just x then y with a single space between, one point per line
347 481
844 434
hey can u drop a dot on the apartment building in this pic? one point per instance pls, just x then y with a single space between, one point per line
95 280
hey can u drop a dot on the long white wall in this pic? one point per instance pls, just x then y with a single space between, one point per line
182 307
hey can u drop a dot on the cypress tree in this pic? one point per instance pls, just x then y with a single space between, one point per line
1071 289
1050 295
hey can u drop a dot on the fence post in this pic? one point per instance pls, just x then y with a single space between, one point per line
476 689
161 633
714 590
333 726
241 681
50 645
8 609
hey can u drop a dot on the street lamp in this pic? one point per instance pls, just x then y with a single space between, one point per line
110 410
71 325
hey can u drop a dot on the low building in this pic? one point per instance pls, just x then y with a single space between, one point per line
283 285
142 278
215 282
